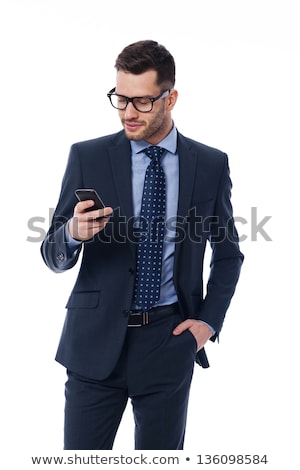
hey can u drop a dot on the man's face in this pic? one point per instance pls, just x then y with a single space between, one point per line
152 126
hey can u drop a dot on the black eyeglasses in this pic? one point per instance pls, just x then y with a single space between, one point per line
142 104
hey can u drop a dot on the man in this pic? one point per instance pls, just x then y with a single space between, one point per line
137 317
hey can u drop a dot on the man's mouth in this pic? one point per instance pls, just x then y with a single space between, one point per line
132 126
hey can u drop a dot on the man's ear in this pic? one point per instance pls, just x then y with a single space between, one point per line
171 99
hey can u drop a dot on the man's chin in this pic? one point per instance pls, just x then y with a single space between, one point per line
133 135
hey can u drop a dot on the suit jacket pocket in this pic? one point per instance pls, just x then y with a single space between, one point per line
86 299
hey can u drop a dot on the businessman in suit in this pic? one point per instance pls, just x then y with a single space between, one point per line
138 318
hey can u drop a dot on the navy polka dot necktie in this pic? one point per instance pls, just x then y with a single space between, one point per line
152 223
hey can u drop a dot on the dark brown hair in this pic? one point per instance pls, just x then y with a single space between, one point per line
142 56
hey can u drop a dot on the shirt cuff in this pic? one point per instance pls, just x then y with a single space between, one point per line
72 244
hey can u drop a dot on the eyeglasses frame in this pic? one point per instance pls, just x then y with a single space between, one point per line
164 94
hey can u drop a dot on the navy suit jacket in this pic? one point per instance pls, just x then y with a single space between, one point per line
97 309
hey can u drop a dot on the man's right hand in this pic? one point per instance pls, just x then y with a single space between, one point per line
85 225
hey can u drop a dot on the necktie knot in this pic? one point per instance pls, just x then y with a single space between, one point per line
154 152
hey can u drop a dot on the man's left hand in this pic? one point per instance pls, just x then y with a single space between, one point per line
200 330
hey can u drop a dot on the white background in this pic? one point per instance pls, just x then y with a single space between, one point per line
238 79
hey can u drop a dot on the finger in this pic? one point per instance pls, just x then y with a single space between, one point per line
106 213
99 214
83 206
185 325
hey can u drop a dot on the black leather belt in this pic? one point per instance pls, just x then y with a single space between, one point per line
145 317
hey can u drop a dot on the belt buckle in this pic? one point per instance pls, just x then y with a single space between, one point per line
144 319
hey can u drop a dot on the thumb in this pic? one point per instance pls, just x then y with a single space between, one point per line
185 325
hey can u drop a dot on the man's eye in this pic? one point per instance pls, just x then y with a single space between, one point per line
121 100
142 101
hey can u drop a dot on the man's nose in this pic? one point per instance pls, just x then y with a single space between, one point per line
130 111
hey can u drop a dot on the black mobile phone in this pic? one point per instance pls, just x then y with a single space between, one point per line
90 194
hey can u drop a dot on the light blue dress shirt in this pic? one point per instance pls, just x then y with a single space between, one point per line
169 162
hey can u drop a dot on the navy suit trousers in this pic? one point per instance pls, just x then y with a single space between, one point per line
155 371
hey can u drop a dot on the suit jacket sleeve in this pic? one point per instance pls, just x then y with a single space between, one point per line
55 251
226 259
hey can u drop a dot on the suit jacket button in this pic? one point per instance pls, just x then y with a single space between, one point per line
131 271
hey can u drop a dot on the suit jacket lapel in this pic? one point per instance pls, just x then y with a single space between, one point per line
187 172
120 159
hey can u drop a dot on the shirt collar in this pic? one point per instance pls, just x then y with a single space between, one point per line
169 143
